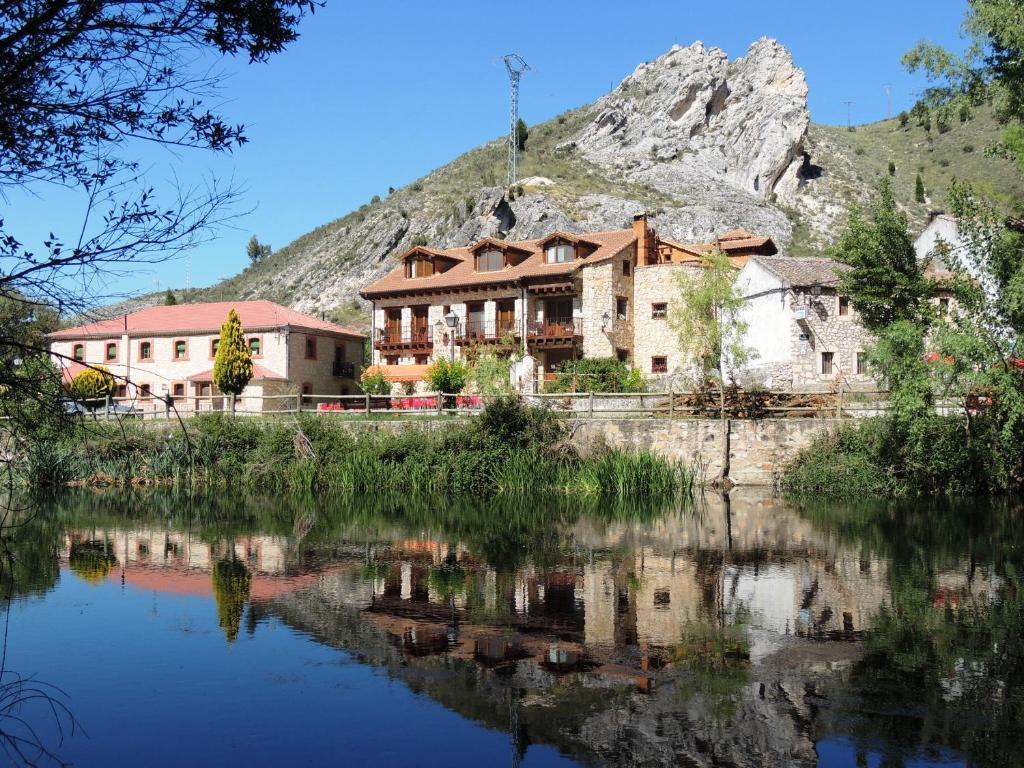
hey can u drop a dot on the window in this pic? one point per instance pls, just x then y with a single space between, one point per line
180 349
944 306
559 253
862 363
659 311
659 365
179 390
121 391
844 306
311 347
145 350
339 353
826 363
144 392
391 360
419 267
255 346
422 359
78 352
627 268
622 308
622 355
111 351
490 260
214 343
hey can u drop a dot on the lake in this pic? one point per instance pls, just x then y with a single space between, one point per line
166 631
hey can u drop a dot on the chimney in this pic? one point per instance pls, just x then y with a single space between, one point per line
644 240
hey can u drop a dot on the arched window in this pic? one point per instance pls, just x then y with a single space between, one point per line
180 349
145 350
111 351
78 352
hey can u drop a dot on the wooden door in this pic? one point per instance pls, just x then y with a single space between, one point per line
393 325
506 317
419 323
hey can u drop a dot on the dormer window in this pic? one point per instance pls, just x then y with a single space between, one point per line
559 253
419 266
490 260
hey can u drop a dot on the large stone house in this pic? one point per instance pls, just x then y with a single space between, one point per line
168 352
560 297
805 336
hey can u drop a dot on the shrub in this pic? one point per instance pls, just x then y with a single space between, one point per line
904 119
448 377
597 374
892 168
968 148
491 374
374 382
92 384
509 423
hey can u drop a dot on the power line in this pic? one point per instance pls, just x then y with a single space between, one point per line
516 65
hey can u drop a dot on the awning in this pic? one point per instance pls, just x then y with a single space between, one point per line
399 373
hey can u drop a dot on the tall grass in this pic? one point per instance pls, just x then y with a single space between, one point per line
511 450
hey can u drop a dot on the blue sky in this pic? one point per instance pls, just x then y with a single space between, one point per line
377 94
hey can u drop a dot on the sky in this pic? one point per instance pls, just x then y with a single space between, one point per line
378 94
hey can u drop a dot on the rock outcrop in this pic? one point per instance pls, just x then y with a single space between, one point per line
692 116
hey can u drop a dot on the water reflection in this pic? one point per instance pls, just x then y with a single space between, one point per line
749 633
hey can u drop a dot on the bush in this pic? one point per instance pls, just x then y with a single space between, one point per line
597 374
374 382
92 384
448 377
491 374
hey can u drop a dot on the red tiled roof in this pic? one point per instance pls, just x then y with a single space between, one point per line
70 369
259 373
463 275
202 318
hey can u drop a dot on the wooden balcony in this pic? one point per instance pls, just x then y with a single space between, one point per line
486 332
555 331
405 337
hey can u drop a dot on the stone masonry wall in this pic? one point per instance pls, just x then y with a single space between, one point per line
653 284
825 330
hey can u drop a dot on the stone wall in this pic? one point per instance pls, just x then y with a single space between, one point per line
759 450
825 330
652 284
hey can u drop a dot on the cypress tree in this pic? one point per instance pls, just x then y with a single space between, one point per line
232 368
919 189
169 298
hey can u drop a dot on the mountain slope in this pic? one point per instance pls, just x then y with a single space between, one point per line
703 143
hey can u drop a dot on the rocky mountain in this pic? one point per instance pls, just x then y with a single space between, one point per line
702 143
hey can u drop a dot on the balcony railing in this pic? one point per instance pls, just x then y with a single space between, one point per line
343 369
470 331
555 328
405 334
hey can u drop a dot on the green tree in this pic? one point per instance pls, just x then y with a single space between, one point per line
231 585
492 374
522 134
374 382
886 282
448 377
169 298
990 69
232 367
91 384
919 191
257 251
892 168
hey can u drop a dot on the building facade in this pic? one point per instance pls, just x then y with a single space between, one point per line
167 352
561 297
804 335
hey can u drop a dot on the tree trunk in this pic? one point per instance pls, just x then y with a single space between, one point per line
723 479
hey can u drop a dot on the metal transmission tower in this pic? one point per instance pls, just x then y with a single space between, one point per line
516 65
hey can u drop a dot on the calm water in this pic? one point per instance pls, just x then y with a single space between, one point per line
251 632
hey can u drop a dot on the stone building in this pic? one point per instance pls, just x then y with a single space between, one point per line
804 335
168 352
561 297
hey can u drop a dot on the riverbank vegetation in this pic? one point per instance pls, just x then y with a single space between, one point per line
948 345
509 449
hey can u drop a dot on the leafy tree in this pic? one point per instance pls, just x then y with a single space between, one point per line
522 134
374 382
892 168
448 377
887 283
169 298
597 374
990 70
492 374
919 192
91 384
232 367
904 119
257 251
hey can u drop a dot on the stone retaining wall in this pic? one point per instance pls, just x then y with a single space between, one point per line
759 450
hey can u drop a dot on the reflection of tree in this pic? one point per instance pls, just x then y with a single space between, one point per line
231 583
92 560
715 662
948 663
30 564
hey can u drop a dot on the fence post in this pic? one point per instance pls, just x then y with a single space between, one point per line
839 403
440 401
298 403
591 407
106 406
367 403
231 403
671 401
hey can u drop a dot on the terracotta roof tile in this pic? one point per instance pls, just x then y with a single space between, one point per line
202 318
463 275
399 373
259 373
